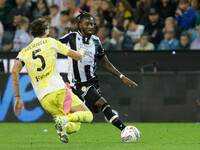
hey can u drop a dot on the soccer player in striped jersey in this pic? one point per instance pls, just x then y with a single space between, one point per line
81 75
39 57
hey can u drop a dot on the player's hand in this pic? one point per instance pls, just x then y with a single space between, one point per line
179 12
81 51
128 82
18 106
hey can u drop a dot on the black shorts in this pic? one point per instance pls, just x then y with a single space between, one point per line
89 92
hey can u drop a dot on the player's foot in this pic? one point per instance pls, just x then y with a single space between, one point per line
60 128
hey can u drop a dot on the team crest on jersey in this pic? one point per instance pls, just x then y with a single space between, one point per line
91 42
83 89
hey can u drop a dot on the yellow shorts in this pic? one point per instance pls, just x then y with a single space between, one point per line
60 102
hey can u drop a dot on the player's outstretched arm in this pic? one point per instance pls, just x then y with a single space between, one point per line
77 55
65 50
128 82
14 74
109 66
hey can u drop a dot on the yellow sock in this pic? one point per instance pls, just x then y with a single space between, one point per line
80 116
72 127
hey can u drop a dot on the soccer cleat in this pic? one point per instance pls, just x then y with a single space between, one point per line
61 130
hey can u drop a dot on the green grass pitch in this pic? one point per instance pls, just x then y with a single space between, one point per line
100 136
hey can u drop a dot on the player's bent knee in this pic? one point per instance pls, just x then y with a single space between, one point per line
100 103
93 108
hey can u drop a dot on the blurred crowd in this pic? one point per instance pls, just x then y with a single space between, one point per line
134 25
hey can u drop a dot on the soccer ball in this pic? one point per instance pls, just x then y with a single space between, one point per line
130 134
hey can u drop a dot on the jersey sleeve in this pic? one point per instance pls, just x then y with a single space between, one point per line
19 58
65 38
59 47
100 50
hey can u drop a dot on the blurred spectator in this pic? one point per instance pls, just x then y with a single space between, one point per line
119 40
9 34
72 8
167 8
103 34
64 21
117 21
41 9
74 24
194 31
108 11
99 21
83 5
53 32
185 15
94 10
20 9
5 9
16 20
144 44
132 2
125 11
142 12
55 15
21 38
198 19
169 21
60 3
1 33
93 2
195 45
154 27
86 4
47 20
169 42
65 31
1 66
135 31
184 43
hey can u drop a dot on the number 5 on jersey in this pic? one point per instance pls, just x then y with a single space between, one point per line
40 57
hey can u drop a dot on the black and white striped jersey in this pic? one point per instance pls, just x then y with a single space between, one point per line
83 70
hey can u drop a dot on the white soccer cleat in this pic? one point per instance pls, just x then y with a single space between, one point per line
60 128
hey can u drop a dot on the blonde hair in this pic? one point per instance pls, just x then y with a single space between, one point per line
23 21
171 19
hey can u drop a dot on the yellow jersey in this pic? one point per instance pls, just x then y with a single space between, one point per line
39 58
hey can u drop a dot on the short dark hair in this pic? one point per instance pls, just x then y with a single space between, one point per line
55 28
185 33
74 21
38 27
54 6
145 34
65 12
83 15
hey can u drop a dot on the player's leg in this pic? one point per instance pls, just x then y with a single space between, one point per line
72 127
79 111
110 115
97 102
49 103
72 110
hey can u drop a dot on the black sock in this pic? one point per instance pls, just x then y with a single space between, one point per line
112 117
119 124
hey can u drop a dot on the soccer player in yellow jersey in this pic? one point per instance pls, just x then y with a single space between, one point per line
39 57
